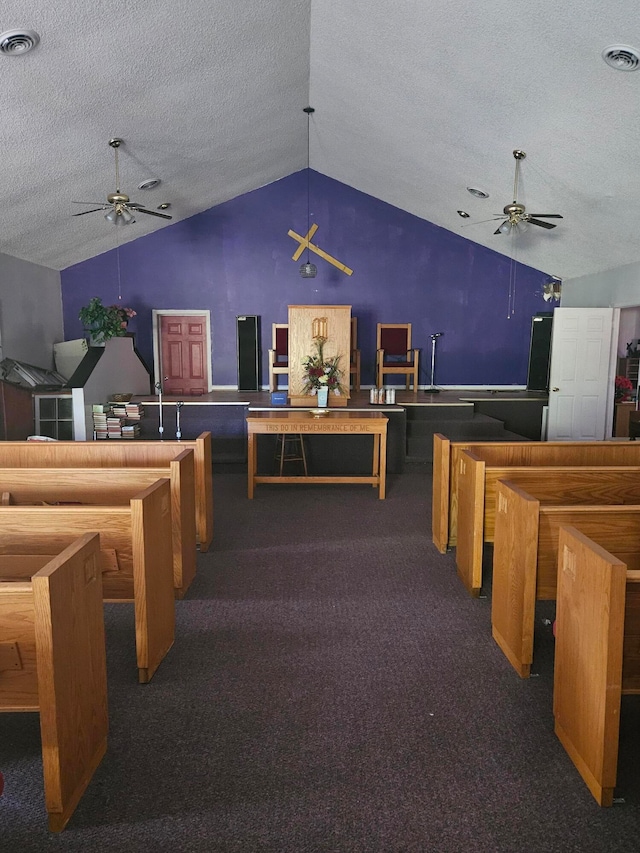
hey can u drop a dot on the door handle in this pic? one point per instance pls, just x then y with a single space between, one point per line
555 389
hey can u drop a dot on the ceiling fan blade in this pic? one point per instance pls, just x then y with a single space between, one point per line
101 203
498 231
82 213
547 215
541 223
151 212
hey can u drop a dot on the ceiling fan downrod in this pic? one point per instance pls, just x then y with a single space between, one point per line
117 197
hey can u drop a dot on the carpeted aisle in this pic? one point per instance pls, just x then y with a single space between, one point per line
332 688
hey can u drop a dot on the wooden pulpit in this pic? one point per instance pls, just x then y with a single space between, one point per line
306 322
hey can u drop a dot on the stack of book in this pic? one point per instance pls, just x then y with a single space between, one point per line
114 426
134 411
119 410
117 420
99 412
130 431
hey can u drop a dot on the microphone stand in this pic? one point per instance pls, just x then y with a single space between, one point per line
178 430
160 424
432 389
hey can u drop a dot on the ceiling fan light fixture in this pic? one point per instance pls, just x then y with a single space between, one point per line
119 216
621 57
505 228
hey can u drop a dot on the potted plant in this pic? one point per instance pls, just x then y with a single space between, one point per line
321 375
104 322
623 389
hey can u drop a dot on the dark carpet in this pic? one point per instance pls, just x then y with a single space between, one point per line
332 688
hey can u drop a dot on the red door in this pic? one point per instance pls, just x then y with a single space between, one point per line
183 348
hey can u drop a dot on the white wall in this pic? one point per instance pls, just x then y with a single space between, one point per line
30 311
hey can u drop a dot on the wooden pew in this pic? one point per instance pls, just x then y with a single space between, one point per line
446 460
135 542
596 655
52 660
477 483
525 559
104 486
120 453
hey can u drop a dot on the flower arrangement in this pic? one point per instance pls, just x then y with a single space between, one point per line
105 321
321 372
623 390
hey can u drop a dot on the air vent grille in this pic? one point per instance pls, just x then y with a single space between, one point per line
477 193
17 42
621 57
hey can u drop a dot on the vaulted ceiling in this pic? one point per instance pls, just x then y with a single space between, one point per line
414 102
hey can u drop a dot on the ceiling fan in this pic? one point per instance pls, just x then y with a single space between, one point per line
120 209
517 219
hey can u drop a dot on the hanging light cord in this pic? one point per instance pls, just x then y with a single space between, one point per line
308 111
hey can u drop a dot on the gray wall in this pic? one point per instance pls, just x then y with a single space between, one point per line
30 311
616 288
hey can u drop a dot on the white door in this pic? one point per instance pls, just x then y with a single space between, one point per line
579 379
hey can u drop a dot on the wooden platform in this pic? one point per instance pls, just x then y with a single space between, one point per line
477 415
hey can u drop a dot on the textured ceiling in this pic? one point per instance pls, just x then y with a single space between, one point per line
414 101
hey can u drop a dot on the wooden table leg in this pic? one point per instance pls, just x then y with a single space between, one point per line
251 464
383 465
376 459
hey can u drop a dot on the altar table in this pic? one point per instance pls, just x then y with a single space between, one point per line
337 422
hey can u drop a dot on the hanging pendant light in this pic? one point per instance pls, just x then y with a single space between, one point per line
308 270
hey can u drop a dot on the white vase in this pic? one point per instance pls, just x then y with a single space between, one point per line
323 397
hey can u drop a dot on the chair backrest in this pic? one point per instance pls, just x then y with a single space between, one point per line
354 334
280 340
394 338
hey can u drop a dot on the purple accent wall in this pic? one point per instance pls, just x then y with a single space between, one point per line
236 259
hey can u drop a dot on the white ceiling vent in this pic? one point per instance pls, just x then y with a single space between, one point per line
477 193
149 184
17 42
621 57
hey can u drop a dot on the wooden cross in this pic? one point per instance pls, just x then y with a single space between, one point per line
305 243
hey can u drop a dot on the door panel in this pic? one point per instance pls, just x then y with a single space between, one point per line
183 348
579 377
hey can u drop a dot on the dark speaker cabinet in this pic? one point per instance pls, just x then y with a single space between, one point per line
248 352
16 412
540 352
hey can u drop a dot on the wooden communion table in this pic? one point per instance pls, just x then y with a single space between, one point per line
335 423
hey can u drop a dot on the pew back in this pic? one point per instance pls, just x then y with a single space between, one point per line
525 559
477 484
446 457
116 486
595 656
122 453
52 659
135 555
